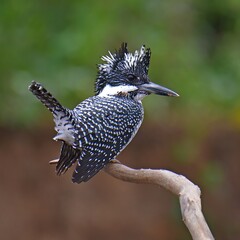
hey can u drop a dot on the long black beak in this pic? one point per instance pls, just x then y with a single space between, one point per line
157 89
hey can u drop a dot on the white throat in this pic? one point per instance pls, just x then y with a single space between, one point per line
140 96
109 91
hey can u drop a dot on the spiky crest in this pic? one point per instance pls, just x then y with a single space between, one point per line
122 62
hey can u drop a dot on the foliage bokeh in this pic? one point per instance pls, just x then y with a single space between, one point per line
195 51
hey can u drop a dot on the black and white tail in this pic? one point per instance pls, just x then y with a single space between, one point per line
46 98
64 126
62 116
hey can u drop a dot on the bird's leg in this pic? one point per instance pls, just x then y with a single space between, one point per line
115 161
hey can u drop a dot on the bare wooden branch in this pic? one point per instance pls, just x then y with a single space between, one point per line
189 194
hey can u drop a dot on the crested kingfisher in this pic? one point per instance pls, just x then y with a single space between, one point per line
100 127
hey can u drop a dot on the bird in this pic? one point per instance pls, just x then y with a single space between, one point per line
100 127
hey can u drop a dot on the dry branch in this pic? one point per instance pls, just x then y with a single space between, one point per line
189 194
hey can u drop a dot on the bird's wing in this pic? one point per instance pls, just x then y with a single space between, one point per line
94 157
102 128
105 145
89 165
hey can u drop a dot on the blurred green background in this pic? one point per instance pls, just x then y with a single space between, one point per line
195 52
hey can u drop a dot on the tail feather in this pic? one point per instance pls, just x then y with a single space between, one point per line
63 118
68 156
46 98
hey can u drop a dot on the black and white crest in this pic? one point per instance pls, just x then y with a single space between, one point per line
122 63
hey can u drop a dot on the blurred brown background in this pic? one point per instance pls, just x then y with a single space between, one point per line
195 52
36 204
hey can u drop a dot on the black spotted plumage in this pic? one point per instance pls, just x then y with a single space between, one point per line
100 127
104 126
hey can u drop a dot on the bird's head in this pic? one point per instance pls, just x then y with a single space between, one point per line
126 74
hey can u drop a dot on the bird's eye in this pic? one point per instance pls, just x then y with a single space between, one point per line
131 77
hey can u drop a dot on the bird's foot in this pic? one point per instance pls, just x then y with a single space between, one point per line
115 161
